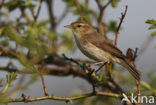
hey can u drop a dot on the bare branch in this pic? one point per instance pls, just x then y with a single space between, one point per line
121 21
51 14
38 11
42 78
1 4
101 9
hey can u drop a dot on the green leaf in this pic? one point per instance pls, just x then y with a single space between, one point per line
14 4
5 42
43 23
70 3
11 77
115 3
152 21
12 34
1 30
152 26
112 26
146 85
153 33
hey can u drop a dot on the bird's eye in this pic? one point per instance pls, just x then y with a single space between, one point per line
78 26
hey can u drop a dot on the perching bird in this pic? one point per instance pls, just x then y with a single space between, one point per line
96 47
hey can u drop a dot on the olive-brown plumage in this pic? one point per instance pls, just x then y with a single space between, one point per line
96 47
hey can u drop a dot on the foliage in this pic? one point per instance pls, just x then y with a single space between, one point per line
153 26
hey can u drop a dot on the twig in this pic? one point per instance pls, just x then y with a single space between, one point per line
121 21
25 99
51 14
109 70
78 7
92 82
63 98
38 11
50 4
1 4
9 52
70 59
139 90
42 78
101 9
134 57
131 56
89 72
101 67
5 88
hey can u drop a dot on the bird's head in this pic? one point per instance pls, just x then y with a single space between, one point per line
81 27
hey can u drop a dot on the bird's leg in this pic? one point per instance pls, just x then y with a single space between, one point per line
109 69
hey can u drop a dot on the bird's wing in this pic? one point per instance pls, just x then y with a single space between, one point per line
104 44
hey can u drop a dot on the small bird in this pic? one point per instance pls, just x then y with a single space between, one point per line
98 48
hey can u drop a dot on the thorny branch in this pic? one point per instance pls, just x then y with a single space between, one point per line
121 21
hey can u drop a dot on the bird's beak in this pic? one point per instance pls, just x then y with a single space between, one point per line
68 26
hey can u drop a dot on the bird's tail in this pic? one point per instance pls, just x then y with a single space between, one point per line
136 74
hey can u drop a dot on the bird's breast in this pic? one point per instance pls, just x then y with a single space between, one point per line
92 51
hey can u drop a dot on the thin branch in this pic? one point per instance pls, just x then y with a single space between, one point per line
50 4
78 7
1 4
38 11
8 52
71 59
121 21
67 99
131 56
42 78
101 67
5 88
101 9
